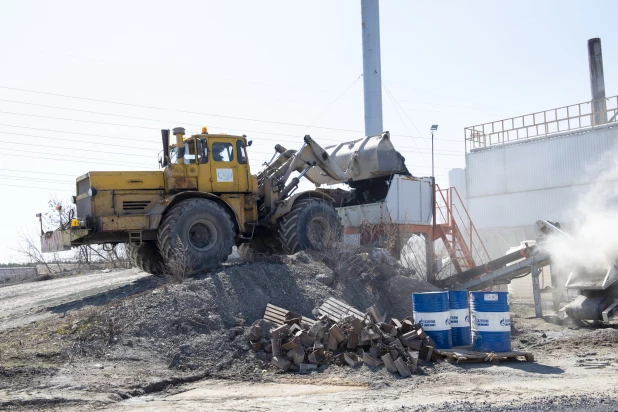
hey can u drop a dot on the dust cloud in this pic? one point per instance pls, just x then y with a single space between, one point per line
593 224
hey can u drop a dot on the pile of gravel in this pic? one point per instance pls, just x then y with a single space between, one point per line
201 324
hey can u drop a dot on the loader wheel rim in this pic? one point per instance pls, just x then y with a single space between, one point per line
318 230
203 235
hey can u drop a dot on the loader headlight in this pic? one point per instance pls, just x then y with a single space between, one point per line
92 192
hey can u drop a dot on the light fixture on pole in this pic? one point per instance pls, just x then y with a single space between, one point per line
434 128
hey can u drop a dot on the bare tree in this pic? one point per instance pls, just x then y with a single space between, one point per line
414 255
28 247
59 216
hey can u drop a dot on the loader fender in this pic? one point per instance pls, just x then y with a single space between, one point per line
286 205
156 212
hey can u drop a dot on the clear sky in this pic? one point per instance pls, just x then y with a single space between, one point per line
269 70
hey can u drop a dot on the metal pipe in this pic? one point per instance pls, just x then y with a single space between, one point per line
597 82
372 70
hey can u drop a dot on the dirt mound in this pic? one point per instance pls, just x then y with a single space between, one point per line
201 324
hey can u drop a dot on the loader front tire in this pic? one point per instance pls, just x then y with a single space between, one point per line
311 224
199 228
146 257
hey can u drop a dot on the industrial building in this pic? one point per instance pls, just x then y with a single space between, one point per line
539 165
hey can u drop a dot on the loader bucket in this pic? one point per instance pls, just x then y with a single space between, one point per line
371 157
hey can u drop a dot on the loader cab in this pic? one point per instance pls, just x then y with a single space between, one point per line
228 164
218 162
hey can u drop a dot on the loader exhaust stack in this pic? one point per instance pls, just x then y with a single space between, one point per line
165 136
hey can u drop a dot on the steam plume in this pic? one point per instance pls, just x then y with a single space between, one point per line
593 223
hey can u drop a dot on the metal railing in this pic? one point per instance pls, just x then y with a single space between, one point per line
590 114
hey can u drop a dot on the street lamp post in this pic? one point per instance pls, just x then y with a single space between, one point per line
434 128
431 277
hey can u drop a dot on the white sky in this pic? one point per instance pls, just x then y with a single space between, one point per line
450 63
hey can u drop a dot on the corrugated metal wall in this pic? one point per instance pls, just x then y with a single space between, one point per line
510 187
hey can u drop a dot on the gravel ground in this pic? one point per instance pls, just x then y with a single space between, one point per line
149 344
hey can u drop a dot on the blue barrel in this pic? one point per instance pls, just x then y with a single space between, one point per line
460 317
432 312
491 321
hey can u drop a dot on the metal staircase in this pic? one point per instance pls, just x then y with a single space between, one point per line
457 231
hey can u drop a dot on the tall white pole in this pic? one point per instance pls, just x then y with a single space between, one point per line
372 70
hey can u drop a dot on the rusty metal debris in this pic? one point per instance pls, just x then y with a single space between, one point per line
343 336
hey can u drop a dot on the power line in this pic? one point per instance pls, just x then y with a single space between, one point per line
78 141
87 150
404 123
64 159
122 125
33 171
72 148
184 111
38 188
37 180
211 114
176 110
334 101
78 133
404 112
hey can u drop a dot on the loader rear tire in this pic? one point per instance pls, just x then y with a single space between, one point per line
311 224
146 257
201 227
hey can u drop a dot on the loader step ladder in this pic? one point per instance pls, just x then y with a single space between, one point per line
455 228
135 239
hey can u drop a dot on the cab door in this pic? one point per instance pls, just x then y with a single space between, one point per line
223 165
244 173
204 179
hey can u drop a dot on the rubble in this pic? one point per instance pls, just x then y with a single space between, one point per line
343 337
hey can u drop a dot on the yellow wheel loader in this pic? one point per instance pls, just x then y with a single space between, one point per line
204 199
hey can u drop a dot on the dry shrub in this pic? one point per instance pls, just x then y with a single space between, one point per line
328 247
92 331
180 266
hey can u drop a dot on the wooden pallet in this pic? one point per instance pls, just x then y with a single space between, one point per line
465 354
277 315
337 310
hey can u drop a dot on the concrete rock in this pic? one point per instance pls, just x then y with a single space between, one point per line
325 278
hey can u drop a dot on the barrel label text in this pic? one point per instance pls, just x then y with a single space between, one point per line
433 320
491 321
491 297
460 318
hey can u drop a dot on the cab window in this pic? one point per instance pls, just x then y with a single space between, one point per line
240 149
222 152
190 154
202 151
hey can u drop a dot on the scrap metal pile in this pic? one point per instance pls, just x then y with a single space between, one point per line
339 337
